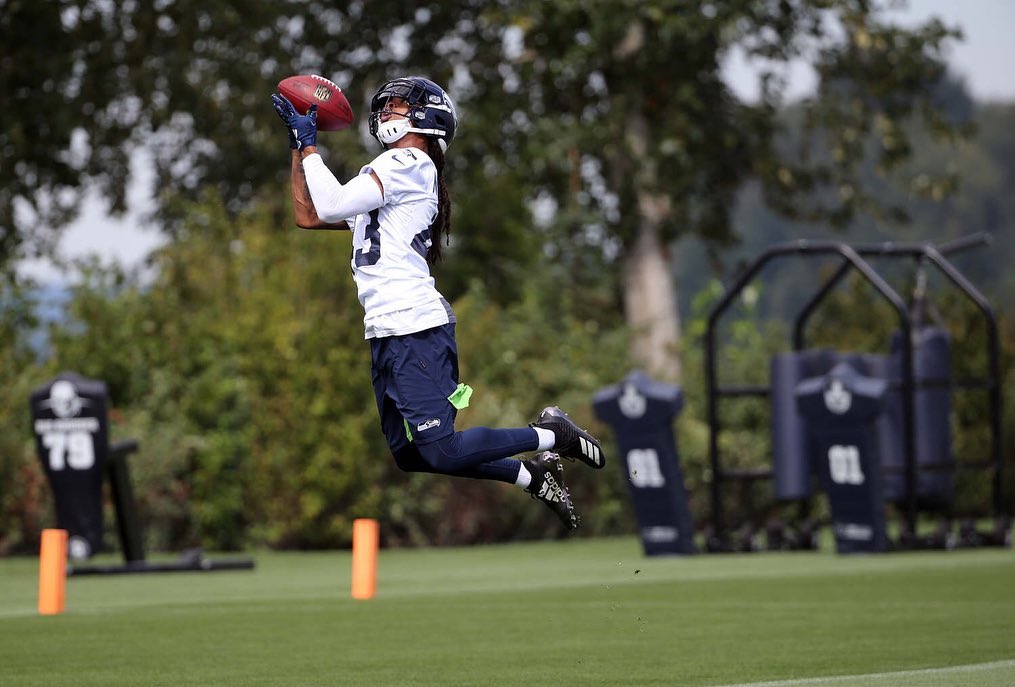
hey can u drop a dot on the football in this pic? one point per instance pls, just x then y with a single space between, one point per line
333 109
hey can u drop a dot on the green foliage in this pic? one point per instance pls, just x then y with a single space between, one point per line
981 166
746 343
223 366
242 370
22 485
239 360
581 104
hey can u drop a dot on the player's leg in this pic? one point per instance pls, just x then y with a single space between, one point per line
456 452
481 452
425 370
544 475
444 457
421 379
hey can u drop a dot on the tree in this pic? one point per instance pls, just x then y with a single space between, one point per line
255 412
642 142
89 84
613 115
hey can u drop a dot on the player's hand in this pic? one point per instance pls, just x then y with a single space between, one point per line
302 128
285 111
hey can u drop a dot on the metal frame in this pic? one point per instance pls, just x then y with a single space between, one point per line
128 529
853 258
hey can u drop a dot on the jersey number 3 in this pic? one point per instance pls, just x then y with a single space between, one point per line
372 253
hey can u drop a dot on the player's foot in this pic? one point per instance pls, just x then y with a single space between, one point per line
571 441
548 486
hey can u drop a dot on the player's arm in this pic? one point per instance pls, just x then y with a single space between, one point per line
303 204
333 201
319 200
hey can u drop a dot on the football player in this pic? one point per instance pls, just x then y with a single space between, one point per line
398 210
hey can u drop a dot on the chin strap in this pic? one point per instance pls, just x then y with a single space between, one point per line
390 131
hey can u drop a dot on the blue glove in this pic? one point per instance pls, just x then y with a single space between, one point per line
302 128
285 111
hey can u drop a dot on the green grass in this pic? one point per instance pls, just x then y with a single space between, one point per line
581 612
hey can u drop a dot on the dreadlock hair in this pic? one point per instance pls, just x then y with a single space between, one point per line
441 225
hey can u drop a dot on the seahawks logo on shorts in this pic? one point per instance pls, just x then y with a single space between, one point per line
428 424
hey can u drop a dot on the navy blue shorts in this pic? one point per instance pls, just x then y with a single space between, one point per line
413 377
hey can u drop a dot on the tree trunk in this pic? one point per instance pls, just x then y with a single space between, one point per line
650 300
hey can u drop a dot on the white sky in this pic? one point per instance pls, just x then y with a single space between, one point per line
985 60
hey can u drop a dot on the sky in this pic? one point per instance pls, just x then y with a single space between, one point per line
984 59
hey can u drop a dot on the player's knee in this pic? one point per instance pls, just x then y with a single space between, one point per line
443 455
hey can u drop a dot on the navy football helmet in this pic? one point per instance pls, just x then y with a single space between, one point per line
431 111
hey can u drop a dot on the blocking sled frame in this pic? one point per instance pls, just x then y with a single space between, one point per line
906 384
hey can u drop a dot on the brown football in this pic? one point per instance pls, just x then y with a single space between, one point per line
333 109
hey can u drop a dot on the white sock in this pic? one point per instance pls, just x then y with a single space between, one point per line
546 439
524 478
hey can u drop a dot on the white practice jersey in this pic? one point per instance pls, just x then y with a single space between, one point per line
389 246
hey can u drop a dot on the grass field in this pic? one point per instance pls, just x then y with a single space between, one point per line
580 612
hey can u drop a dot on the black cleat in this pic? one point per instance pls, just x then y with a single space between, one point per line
571 441
548 486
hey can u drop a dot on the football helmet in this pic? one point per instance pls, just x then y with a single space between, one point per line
431 111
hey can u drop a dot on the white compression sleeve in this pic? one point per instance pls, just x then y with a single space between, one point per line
335 202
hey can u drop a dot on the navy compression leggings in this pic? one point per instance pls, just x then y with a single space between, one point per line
478 453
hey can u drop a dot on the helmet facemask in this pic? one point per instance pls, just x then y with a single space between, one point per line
391 130
431 112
